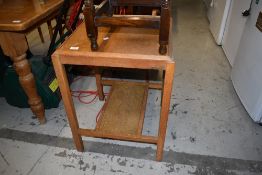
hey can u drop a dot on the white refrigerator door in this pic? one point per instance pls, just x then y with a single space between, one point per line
247 69
217 15
234 28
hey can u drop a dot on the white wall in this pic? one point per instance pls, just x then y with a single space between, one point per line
207 2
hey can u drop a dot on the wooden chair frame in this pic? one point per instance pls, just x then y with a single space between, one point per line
94 19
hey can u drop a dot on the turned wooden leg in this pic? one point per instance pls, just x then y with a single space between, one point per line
164 27
15 46
68 102
27 81
91 29
167 90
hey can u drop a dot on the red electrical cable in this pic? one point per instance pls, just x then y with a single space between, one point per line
122 11
100 111
79 94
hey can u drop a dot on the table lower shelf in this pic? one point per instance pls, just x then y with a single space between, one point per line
124 110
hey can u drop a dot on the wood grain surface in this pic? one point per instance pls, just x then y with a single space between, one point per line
20 15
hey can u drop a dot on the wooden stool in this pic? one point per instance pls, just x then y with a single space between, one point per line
94 18
122 116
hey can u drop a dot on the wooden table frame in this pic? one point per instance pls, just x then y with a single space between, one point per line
99 59
28 15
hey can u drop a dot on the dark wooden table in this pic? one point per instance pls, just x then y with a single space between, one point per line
18 17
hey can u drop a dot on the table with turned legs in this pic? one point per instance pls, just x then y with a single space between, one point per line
16 19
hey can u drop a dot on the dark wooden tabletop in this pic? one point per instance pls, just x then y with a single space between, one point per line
20 15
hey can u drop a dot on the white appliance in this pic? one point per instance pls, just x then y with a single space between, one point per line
218 11
247 69
234 28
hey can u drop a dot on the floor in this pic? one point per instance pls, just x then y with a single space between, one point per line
209 131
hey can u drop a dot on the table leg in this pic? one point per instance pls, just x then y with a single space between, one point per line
164 26
99 84
50 29
68 102
15 46
91 29
40 34
27 81
167 90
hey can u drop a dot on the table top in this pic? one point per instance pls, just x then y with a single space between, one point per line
119 47
20 15
122 40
